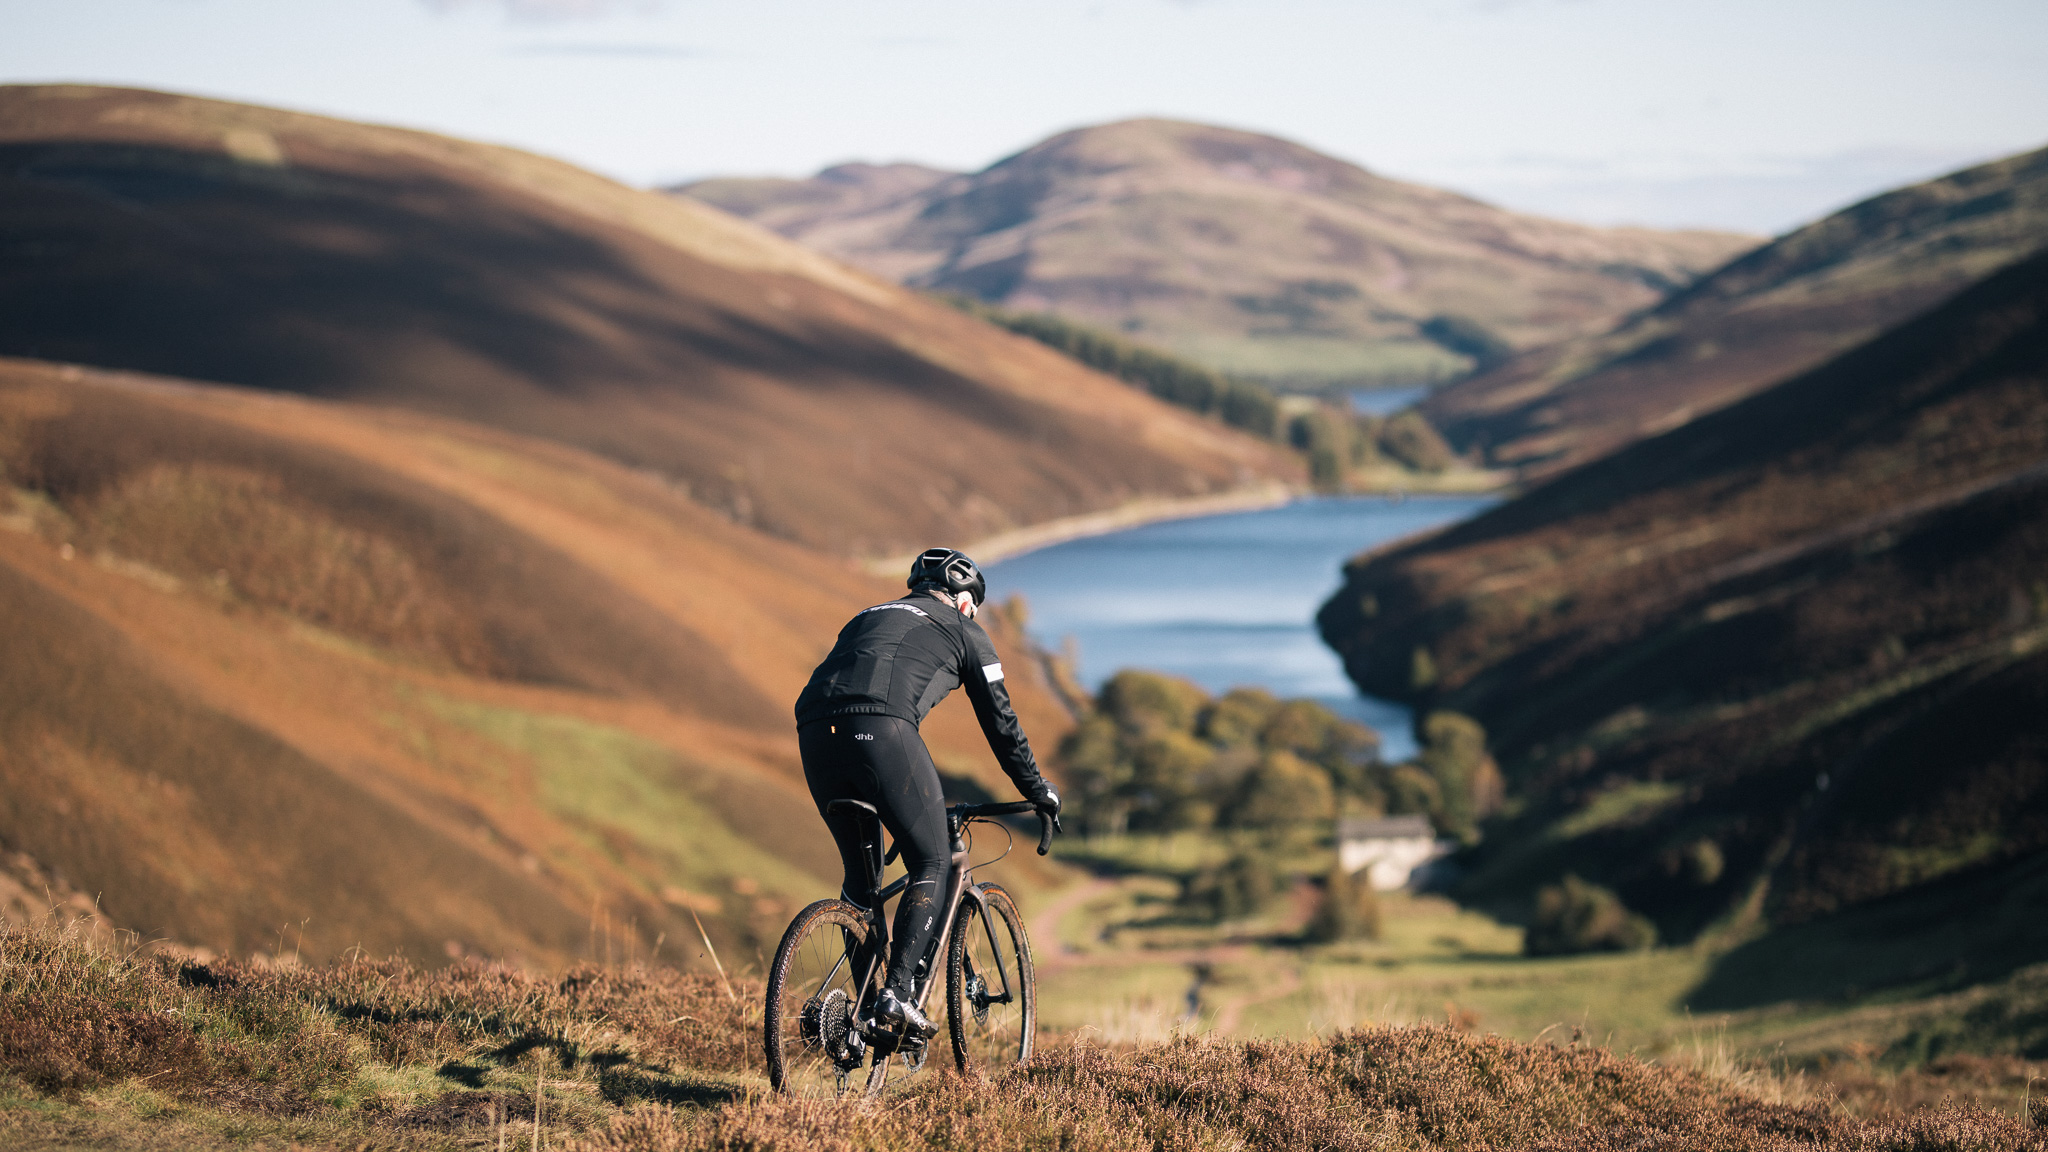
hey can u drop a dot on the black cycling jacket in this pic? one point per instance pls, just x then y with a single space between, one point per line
901 658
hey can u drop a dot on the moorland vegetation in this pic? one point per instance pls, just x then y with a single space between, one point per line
1781 666
100 1046
399 682
1786 307
249 246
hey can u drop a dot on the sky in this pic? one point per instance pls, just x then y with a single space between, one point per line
1750 115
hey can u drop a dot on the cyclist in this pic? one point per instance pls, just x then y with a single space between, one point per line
857 724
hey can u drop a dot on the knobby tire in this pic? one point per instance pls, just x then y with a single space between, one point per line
803 970
1003 1034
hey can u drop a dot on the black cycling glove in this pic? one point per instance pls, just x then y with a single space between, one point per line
1046 800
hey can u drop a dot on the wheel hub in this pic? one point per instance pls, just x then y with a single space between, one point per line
977 995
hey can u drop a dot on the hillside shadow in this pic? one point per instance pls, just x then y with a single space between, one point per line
343 284
1915 942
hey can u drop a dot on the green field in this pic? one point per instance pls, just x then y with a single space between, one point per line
1118 959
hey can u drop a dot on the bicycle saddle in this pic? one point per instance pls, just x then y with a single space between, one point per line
853 806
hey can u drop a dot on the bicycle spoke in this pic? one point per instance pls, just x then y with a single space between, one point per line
814 992
990 999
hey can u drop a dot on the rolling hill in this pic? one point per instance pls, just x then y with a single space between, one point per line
286 673
1789 661
1786 307
416 545
240 245
1243 252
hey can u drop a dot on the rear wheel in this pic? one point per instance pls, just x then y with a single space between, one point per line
991 994
814 992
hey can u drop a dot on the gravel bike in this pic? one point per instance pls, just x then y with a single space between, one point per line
819 1026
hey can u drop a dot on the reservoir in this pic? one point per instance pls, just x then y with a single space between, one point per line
1224 600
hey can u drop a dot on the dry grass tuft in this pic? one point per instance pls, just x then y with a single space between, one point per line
1385 1088
595 1060
76 1015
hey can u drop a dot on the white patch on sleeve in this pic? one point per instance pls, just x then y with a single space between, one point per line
992 672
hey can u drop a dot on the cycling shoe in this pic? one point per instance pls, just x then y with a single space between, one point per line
900 1013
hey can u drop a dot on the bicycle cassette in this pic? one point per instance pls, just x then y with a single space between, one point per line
826 1024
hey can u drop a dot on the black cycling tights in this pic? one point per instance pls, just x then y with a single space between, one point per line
883 761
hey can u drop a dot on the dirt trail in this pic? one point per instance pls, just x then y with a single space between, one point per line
1045 927
1232 1012
1050 953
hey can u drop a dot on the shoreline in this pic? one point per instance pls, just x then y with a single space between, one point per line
1159 510
1136 513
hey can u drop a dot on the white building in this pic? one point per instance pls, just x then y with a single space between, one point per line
1389 851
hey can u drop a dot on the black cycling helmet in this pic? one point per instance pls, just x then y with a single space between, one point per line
949 569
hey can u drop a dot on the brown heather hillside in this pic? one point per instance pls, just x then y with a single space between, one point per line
1240 251
1778 311
101 1050
249 246
1791 658
292 674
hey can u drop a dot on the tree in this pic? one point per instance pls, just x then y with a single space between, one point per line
1237 719
1167 783
1467 337
1576 916
1408 438
1238 887
1350 909
1098 776
1142 701
1283 793
1469 783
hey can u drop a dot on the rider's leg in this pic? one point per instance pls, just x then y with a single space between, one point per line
883 761
913 806
835 770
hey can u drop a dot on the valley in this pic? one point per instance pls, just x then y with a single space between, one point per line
410 550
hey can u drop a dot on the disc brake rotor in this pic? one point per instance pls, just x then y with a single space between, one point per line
977 995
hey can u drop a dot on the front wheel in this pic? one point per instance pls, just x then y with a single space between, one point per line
815 991
991 993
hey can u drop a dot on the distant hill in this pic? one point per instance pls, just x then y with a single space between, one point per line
250 246
1787 660
1777 311
285 673
1246 253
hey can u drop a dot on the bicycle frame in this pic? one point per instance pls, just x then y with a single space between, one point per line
960 889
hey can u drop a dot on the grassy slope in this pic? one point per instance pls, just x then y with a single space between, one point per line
1777 311
1242 252
1784 660
1837 1005
101 1051
251 246
577 736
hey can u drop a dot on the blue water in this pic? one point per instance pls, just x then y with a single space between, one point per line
1385 401
1223 600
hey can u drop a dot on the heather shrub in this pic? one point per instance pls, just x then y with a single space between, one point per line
1394 1089
242 532
638 1059
75 1015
